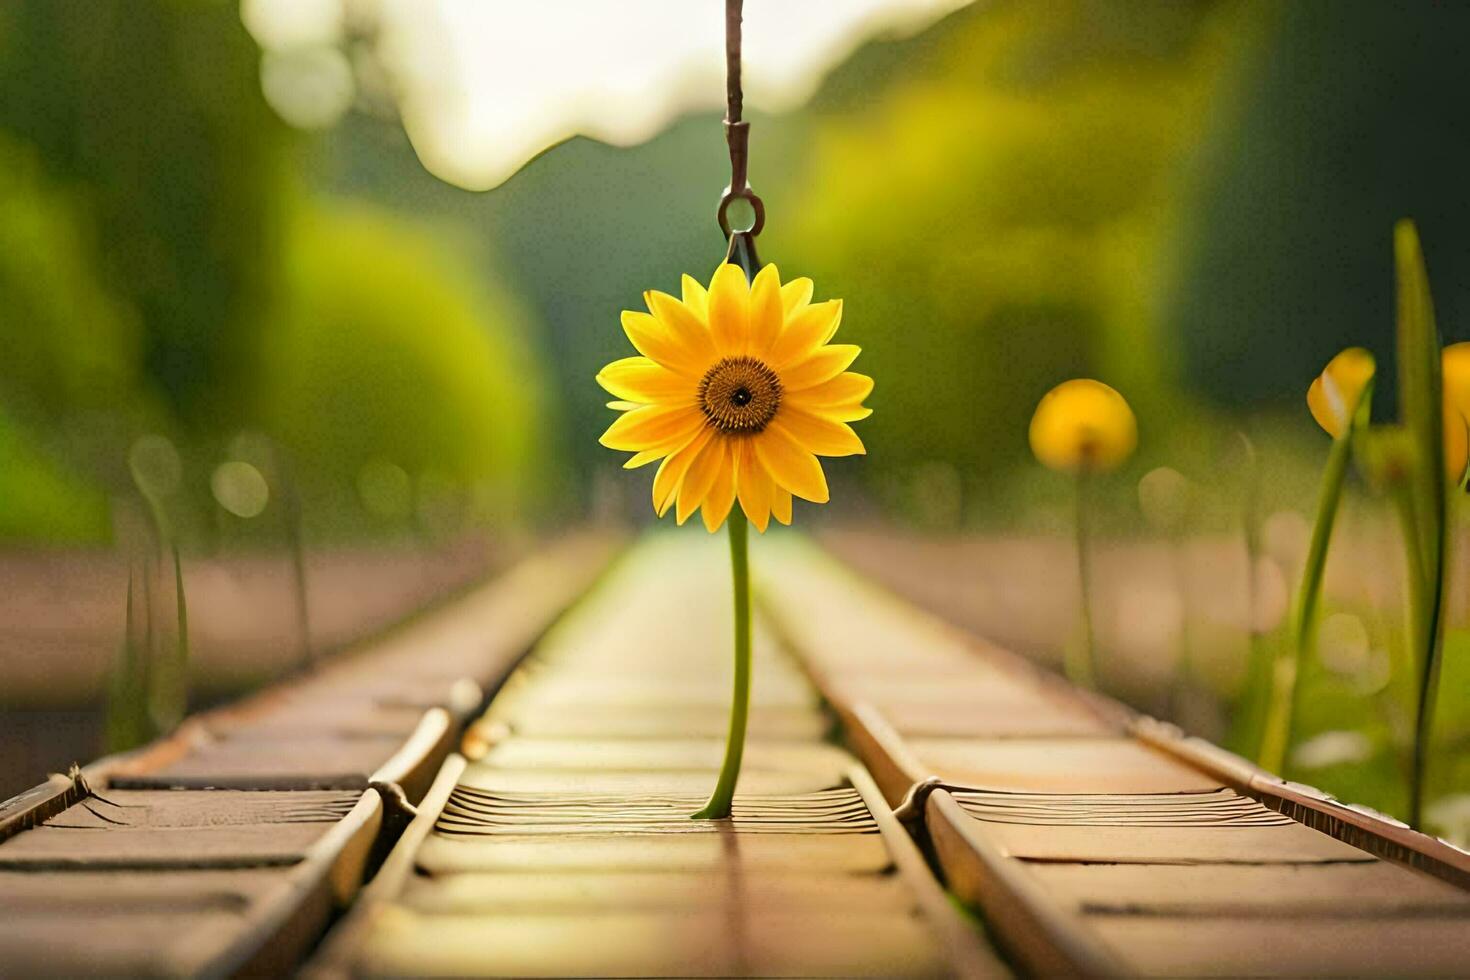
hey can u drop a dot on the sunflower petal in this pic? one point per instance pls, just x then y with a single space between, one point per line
795 294
683 325
641 379
697 483
696 297
653 340
755 487
838 398
650 427
643 459
720 499
766 314
823 365
671 472
729 310
790 465
781 505
805 331
822 436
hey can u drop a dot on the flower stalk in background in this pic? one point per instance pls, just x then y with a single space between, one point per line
1083 428
736 390
1425 412
1340 399
157 472
1414 462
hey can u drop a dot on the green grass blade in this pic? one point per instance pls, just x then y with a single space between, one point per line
1421 401
126 699
1292 658
1421 395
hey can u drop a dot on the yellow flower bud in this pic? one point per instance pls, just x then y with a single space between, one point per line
1334 395
1455 363
1456 368
1456 443
1083 426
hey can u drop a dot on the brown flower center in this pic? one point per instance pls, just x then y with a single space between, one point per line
739 395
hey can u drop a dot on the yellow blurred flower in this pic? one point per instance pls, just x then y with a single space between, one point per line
1334 394
738 392
1455 363
1083 426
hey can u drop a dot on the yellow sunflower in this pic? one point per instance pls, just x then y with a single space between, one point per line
738 392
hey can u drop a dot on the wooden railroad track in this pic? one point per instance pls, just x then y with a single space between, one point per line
227 847
563 846
1097 842
1091 841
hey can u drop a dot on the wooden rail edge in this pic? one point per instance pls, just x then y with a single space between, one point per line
964 949
1368 830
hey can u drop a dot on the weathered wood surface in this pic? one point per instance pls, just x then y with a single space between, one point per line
1092 841
564 848
1095 842
227 847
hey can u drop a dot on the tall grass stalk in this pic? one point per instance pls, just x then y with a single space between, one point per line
127 706
1281 709
1421 395
1251 717
295 544
168 679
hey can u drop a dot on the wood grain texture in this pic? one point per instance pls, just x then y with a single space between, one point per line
161 872
566 849
1107 844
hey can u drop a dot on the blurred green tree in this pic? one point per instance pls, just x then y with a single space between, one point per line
996 216
151 110
1348 117
396 352
164 267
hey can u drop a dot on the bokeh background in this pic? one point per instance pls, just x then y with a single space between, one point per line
275 296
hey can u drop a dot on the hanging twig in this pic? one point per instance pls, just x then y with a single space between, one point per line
737 135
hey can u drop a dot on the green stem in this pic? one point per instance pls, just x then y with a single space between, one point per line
1414 573
718 807
1430 634
179 669
1081 664
1285 689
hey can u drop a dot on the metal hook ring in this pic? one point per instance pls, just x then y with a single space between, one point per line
729 197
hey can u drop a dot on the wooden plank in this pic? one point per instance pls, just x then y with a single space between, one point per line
1120 847
1034 926
1346 946
1275 891
669 721
1373 832
145 879
124 910
575 855
697 754
647 891
305 763
1058 765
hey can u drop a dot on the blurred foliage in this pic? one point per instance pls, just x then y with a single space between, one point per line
995 218
394 354
42 501
1187 201
152 112
1348 117
71 345
165 267
989 197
